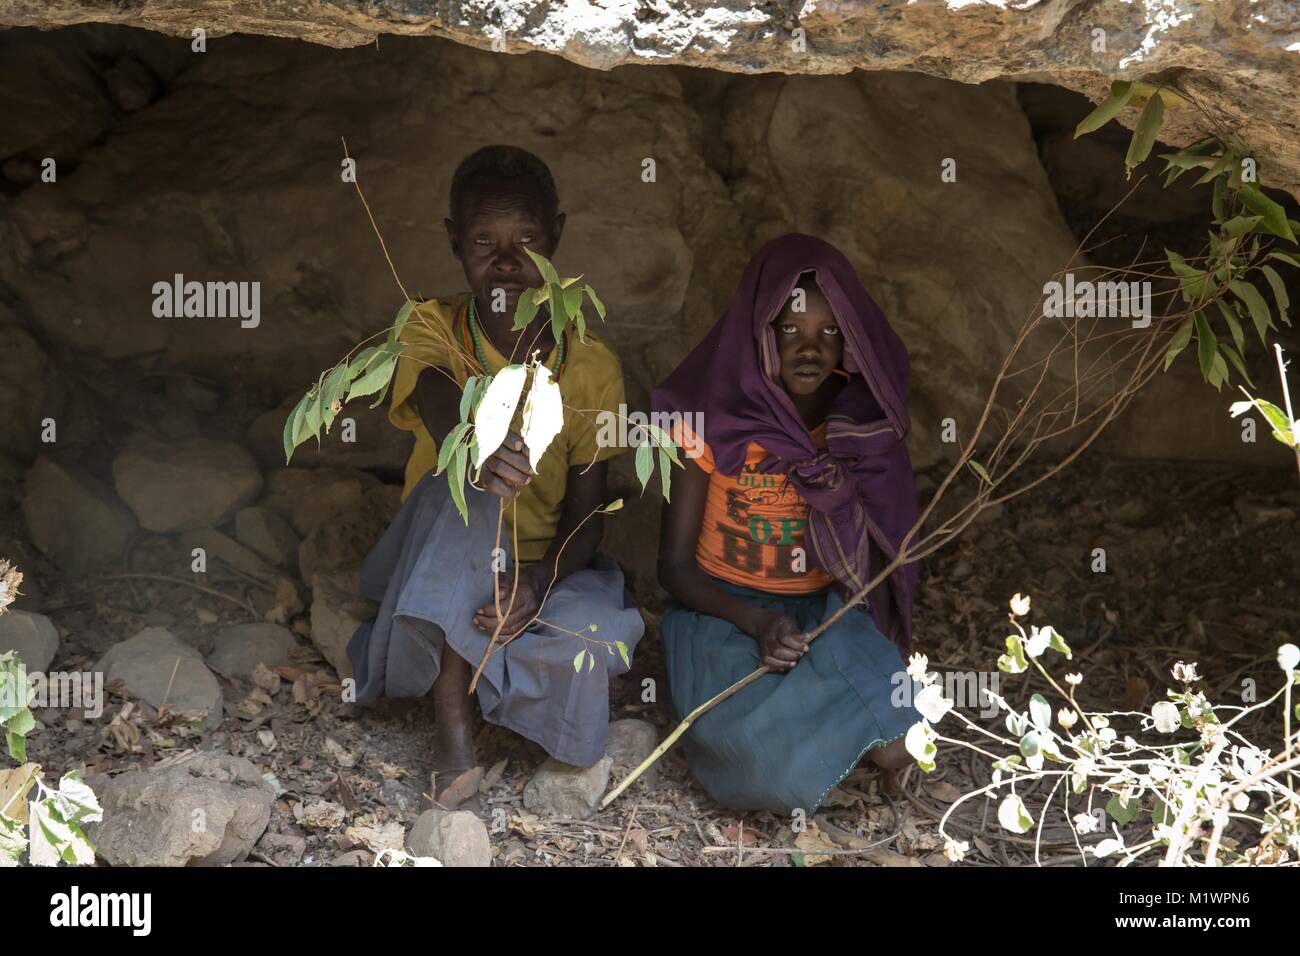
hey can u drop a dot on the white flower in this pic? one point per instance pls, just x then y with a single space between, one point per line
1066 717
1039 638
1085 823
955 851
1186 673
1020 604
1074 680
1165 715
916 667
1288 657
931 704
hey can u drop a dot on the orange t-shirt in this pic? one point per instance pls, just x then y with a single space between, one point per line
753 524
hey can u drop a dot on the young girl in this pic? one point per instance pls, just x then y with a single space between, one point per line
430 573
802 490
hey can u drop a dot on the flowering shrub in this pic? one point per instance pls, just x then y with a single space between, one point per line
1184 783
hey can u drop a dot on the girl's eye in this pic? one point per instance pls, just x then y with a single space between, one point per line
526 238
831 330
789 329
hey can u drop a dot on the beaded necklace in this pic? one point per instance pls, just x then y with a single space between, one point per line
476 334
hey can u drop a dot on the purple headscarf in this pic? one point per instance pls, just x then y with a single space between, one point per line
859 488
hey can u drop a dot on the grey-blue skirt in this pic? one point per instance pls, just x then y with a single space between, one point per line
787 739
429 573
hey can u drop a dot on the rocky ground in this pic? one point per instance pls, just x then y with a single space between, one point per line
1200 565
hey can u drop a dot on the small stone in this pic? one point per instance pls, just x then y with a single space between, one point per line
205 616
156 667
400 798
562 790
269 534
284 848
221 547
452 837
208 809
33 636
240 649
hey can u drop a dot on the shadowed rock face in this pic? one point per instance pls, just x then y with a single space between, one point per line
1237 61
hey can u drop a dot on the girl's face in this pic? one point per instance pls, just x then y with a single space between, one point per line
808 340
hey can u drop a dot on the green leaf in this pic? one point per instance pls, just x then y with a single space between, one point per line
1285 257
665 468
661 439
361 361
1279 291
577 661
526 310
980 470
595 301
591 661
1276 420
450 444
332 391
291 427
1274 216
1121 91
1217 169
544 267
312 417
1235 358
1014 660
1219 201
1207 345
1122 813
1179 341
17 746
399 323
622 652
1234 327
375 379
1144 137
467 397
1255 304
1238 226
456 480
1057 643
644 464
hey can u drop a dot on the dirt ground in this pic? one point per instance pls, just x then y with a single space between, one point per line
1201 565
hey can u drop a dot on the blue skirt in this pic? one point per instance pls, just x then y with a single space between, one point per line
430 572
787 739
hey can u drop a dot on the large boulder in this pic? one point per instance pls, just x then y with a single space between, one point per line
307 497
156 667
33 636
178 486
30 392
73 518
206 809
340 543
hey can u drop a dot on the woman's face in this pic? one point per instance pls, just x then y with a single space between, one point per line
808 340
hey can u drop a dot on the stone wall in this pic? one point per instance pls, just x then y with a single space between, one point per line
225 165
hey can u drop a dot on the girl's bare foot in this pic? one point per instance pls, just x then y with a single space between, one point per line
454 760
